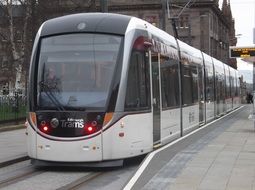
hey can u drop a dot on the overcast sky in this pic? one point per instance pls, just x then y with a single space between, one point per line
243 12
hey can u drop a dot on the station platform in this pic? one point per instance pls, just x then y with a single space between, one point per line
219 156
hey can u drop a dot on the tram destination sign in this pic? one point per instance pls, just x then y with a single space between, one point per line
242 52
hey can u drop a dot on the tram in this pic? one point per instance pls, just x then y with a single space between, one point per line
105 87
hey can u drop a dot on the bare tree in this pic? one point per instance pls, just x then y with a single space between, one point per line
16 18
19 21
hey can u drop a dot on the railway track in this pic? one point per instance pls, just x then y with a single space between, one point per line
18 173
18 176
13 161
22 174
80 182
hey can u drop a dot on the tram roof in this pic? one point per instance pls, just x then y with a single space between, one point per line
87 22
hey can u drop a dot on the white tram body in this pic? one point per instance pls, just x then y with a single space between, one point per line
105 87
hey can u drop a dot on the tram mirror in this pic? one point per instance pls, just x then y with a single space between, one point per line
141 44
147 44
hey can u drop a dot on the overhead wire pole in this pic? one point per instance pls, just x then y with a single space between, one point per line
254 71
164 4
174 19
253 85
187 4
173 22
104 6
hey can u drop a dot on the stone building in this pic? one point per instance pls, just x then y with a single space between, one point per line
201 23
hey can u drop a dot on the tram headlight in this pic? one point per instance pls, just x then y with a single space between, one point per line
107 118
32 118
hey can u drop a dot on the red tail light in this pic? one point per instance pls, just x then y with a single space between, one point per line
44 127
91 127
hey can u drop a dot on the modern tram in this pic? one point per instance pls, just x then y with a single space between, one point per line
104 87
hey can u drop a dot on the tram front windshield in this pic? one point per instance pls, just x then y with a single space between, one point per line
75 71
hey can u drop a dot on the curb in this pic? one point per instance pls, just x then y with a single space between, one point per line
13 161
12 127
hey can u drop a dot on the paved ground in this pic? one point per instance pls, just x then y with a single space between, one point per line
12 145
221 159
227 163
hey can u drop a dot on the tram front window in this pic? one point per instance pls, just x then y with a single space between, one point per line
76 70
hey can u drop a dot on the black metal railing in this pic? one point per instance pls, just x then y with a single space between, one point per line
12 108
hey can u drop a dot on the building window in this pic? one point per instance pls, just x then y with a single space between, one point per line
183 22
153 19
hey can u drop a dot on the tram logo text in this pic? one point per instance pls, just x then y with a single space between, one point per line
73 123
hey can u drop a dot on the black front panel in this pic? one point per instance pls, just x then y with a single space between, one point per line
87 22
69 124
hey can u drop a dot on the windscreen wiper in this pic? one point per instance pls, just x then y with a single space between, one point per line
53 99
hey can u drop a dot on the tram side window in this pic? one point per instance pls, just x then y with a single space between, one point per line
237 86
195 84
233 86
217 87
236 90
228 87
223 88
169 83
209 85
220 92
190 85
211 88
137 92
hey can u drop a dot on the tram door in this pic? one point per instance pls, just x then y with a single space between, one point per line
201 94
155 97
